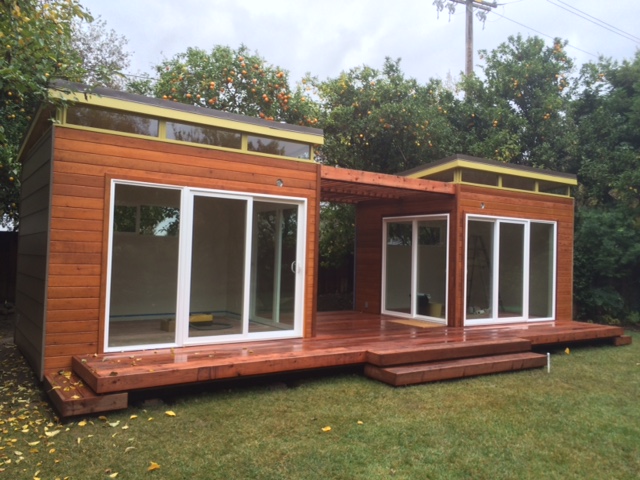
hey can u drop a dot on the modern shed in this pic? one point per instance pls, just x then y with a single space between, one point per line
187 239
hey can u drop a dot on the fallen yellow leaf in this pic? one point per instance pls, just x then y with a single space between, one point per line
360 422
153 466
113 475
83 423
52 434
170 413
33 444
133 417
326 429
567 351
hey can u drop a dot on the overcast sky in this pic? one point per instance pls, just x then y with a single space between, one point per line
326 37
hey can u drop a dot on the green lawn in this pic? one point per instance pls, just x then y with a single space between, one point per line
581 421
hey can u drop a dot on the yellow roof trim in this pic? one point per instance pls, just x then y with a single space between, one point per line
188 144
460 163
176 115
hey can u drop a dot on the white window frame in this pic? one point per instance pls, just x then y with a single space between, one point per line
414 219
184 267
497 221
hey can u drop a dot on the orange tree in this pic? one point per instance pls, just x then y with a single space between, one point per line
236 81
35 46
520 112
381 121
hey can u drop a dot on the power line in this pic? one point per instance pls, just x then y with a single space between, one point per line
601 23
597 22
543 34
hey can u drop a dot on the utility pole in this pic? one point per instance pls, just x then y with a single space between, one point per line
481 5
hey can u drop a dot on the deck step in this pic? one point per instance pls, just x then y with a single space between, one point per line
574 332
385 356
622 340
70 396
459 368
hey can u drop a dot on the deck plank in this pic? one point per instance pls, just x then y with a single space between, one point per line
71 397
342 339
458 368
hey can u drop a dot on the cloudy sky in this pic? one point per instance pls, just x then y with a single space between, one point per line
325 37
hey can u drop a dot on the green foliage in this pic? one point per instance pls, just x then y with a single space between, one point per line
607 259
383 122
337 230
236 81
35 47
519 113
607 263
42 41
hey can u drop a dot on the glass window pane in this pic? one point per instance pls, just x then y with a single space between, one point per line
278 147
217 267
519 183
273 273
432 268
144 267
480 177
511 270
552 187
112 120
204 135
541 270
479 269
398 267
446 176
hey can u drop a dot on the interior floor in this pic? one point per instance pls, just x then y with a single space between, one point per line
125 333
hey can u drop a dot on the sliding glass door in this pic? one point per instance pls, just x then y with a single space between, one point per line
274 267
510 270
194 267
144 265
415 262
216 293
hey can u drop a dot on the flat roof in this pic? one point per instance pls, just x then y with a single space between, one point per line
158 107
477 163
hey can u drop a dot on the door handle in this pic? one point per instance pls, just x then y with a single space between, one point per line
293 266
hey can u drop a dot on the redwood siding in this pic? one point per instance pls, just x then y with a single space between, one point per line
532 207
369 242
468 200
31 277
84 163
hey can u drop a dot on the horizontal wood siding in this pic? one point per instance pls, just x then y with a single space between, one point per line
32 253
531 207
469 200
84 162
369 244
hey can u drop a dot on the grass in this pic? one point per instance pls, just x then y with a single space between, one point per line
581 421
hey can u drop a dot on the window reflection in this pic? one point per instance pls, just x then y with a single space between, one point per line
112 120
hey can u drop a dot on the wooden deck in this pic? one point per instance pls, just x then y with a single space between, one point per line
392 352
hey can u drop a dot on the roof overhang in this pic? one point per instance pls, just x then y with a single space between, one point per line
76 93
484 164
343 185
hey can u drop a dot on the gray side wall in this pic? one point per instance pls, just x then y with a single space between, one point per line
31 284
